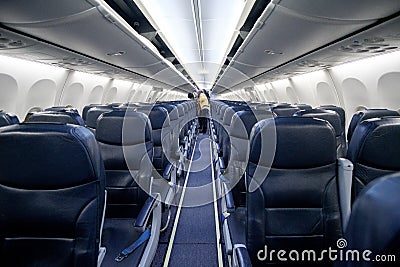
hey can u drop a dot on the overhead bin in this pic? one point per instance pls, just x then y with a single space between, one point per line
90 28
290 29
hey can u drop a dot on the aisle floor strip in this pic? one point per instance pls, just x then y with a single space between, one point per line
178 213
216 213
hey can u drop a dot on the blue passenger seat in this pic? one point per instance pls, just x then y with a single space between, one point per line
126 146
51 196
8 119
292 194
374 223
334 119
62 117
374 150
365 115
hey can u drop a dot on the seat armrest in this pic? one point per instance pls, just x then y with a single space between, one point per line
241 256
221 164
345 176
146 211
217 148
100 257
167 172
230 203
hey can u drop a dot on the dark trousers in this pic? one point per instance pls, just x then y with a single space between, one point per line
203 120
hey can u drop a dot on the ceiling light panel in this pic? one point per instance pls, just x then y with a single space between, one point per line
199 32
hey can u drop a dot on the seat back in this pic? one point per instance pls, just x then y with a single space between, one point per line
8 119
374 150
87 107
125 143
241 126
284 110
62 117
292 199
52 198
365 115
338 110
93 114
374 221
303 106
334 119
161 135
63 109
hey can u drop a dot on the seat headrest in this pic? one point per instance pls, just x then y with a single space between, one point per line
303 106
86 109
63 109
181 110
228 114
365 115
158 116
123 127
263 106
94 113
338 110
331 116
376 143
62 117
301 143
8 119
285 111
244 120
48 156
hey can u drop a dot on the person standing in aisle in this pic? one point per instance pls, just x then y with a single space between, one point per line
204 111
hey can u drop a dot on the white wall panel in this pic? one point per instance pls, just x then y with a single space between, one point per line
371 82
8 92
41 94
30 77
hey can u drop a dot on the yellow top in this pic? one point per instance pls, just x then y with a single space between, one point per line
203 101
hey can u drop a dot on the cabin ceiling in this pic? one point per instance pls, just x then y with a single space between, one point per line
272 39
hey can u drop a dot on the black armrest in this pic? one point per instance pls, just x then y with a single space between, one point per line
146 211
243 257
230 203
218 148
221 164
167 172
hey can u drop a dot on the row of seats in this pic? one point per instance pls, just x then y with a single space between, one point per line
284 185
83 195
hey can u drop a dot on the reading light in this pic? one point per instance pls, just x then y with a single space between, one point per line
197 32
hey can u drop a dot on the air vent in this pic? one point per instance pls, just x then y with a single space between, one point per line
73 61
312 64
369 45
9 43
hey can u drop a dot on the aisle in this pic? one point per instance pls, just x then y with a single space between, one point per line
193 237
